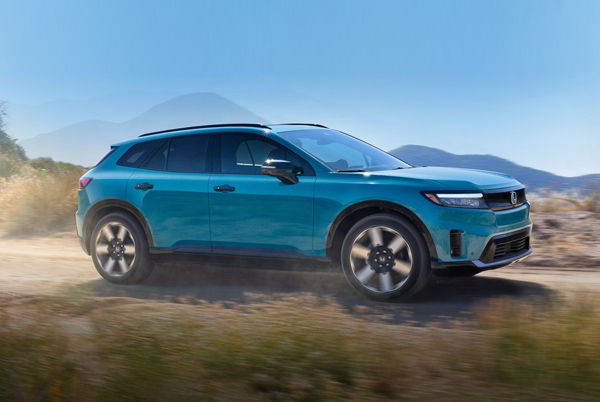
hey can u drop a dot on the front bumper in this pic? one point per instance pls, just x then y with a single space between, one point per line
468 268
501 250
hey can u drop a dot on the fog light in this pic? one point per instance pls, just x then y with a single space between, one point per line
455 243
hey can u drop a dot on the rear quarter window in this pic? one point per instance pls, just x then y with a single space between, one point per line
138 153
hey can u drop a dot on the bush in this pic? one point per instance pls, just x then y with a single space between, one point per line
39 202
50 166
9 166
9 147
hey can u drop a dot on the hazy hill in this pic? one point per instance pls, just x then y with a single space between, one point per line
534 179
27 121
86 142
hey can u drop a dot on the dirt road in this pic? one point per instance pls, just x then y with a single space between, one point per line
45 265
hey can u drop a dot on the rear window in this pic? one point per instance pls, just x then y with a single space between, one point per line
138 153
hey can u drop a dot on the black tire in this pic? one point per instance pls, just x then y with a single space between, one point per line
385 258
119 249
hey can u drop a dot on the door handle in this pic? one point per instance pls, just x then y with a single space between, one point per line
225 188
144 186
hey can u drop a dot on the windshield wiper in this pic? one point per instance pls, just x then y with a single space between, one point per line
351 170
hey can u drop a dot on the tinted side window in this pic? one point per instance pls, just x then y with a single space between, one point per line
188 154
158 161
245 153
138 153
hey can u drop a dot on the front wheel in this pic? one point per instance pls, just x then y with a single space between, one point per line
384 257
119 249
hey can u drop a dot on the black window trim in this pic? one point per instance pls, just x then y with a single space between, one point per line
149 157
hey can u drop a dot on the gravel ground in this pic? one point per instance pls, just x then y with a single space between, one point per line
566 259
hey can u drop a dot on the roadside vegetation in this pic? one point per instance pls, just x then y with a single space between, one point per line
550 201
37 196
39 200
75 347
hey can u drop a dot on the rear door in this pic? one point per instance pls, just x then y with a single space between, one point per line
254 214
171 191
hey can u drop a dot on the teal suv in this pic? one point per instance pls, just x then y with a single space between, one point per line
299 191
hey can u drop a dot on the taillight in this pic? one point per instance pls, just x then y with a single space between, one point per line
84 181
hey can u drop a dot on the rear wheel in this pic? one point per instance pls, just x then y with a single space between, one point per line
119 249
384 257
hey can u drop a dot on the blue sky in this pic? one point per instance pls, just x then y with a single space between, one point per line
518 79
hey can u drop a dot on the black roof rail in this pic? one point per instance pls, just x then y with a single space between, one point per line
299 124
206 126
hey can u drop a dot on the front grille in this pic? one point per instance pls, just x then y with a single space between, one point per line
506 246
501 198
510 247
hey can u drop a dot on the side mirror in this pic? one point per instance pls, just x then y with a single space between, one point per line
283 170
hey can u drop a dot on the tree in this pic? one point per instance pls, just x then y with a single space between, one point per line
2 114
8 146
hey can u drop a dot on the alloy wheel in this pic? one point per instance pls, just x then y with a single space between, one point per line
381 259
115 249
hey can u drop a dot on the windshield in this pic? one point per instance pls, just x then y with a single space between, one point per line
342 152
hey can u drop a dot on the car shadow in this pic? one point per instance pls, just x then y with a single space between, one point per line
440 303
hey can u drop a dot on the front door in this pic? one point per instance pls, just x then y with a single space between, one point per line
254 214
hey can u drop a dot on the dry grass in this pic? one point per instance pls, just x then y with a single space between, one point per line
76 347
38 202
556 347
561 202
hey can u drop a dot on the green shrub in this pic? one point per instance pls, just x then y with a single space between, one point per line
50 166
9 166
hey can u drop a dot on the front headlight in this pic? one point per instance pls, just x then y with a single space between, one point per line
465 200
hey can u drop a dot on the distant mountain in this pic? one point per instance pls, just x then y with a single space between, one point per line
86 142
27 121
533 179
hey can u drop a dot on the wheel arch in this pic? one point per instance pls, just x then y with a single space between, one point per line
102 208
348 217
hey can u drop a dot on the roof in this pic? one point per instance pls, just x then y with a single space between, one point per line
280 128
172 130
275 127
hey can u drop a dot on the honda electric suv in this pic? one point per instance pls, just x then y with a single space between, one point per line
299 191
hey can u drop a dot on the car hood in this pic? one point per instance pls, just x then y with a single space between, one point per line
453 178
